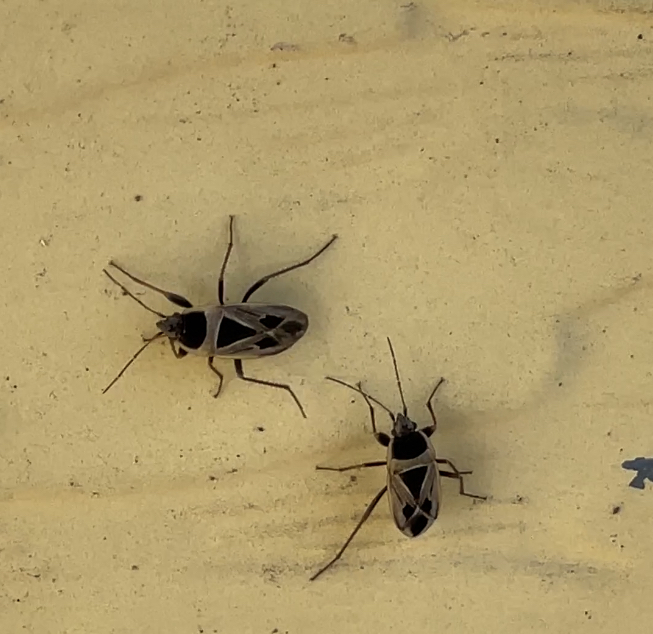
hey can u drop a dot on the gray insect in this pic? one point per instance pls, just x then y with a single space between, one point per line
232 331
413 474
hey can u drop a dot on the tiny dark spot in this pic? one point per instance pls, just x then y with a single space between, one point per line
496 140
212 478
135 567
640 36
138 198
560 384
260 428
616 509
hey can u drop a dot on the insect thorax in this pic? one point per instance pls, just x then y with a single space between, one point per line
188 328
409 446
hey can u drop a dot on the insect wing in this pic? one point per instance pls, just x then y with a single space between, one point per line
414 497
258 330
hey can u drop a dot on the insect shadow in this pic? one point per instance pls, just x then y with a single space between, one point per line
413 472
643 467
232 331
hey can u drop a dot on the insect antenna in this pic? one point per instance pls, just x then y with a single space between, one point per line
130 294
134 357
365 394
401 392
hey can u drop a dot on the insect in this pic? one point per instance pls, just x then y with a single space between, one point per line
413 478
232 331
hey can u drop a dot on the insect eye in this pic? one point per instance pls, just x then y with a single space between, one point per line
271 321
266 342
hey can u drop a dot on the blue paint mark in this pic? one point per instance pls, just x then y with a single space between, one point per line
644 468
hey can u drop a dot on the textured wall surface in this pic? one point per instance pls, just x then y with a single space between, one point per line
489 173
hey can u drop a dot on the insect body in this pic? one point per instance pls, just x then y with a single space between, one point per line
233 331
413 474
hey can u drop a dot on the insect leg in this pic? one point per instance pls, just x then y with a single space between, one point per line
429 406
458 475
238 364
368 512
180 353
230 246
254 287
381 438
220 377
375 463
179 300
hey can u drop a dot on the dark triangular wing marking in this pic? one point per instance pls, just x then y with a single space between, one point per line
254 330
414 514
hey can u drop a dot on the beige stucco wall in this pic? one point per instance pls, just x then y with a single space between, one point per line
488 171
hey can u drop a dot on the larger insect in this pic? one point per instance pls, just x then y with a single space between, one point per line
413 474
233 331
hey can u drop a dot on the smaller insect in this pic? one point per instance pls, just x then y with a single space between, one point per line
413 478
233 331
